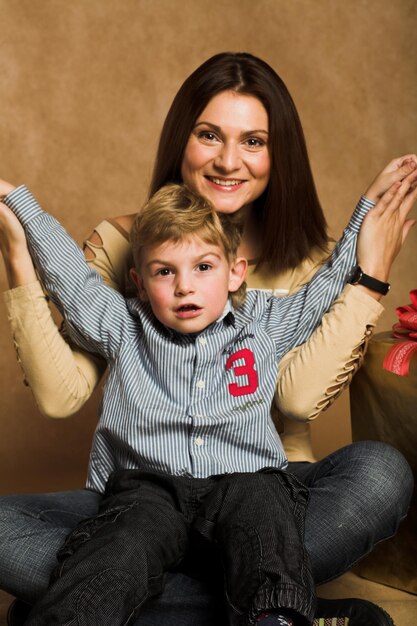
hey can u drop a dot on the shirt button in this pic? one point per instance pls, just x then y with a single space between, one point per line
199 441
202 341
200 384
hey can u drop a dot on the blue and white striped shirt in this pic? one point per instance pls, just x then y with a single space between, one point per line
182 404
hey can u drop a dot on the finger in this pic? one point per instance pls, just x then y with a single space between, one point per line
406 158
410 156
403 197
412 179
406 168
408 225
386 199
5 188
400 161
408 203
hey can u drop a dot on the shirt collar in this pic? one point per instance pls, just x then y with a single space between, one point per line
228 314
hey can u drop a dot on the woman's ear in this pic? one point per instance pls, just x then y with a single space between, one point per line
237 273
138 280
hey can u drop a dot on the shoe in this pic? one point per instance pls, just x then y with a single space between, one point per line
357 612
274 619
18 612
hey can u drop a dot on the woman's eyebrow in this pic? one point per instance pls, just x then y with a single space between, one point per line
202 122
219 129
256 131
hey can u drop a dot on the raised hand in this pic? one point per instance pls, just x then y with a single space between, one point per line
5 188
386 227
13 245
394 172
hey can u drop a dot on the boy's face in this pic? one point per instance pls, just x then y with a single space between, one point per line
187 283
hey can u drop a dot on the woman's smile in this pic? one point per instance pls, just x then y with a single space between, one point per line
227 185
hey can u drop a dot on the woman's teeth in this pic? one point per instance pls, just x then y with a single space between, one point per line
225 183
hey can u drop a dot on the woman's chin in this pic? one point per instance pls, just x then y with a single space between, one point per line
225 204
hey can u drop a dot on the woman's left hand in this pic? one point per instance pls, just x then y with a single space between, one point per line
386 227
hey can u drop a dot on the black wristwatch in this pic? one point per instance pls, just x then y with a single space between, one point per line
359 278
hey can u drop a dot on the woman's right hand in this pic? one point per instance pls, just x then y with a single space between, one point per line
13 246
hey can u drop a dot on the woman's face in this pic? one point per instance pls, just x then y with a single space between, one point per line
226 158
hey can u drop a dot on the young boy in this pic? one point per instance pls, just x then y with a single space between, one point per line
185 445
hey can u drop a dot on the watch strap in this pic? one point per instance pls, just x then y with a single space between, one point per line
360 278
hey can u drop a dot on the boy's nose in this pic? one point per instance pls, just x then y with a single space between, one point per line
183 286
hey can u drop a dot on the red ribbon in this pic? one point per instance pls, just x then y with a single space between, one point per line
398 358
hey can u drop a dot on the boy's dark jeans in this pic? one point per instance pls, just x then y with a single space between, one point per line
149 522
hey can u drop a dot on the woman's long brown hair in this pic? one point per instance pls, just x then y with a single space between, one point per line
289 217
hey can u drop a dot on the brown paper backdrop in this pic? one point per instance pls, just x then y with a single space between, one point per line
84 88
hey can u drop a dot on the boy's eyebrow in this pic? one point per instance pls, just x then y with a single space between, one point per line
218 128
197 259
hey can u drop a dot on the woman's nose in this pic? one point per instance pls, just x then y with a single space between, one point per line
228 158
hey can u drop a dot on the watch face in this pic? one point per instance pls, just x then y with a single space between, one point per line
356 275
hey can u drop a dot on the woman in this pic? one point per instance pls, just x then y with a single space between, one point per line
233 134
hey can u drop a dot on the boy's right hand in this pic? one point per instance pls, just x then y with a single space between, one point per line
12 235
13 246
394 172
5 188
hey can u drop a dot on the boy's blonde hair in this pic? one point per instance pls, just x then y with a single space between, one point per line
173 213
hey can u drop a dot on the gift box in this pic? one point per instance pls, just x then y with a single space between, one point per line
383 397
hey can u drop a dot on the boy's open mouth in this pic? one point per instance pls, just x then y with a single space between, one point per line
188 307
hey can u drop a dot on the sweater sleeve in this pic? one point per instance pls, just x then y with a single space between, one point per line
60 376
323 366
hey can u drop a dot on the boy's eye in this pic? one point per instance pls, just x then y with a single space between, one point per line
164 271
204 267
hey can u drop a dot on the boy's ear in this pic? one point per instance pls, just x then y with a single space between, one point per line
237 273
138 280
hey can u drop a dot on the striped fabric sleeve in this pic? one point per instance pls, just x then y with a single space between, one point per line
303 310
95 314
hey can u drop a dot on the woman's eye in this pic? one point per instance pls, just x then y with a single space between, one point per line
255 142
207 136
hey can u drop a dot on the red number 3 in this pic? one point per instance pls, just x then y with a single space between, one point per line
243 370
